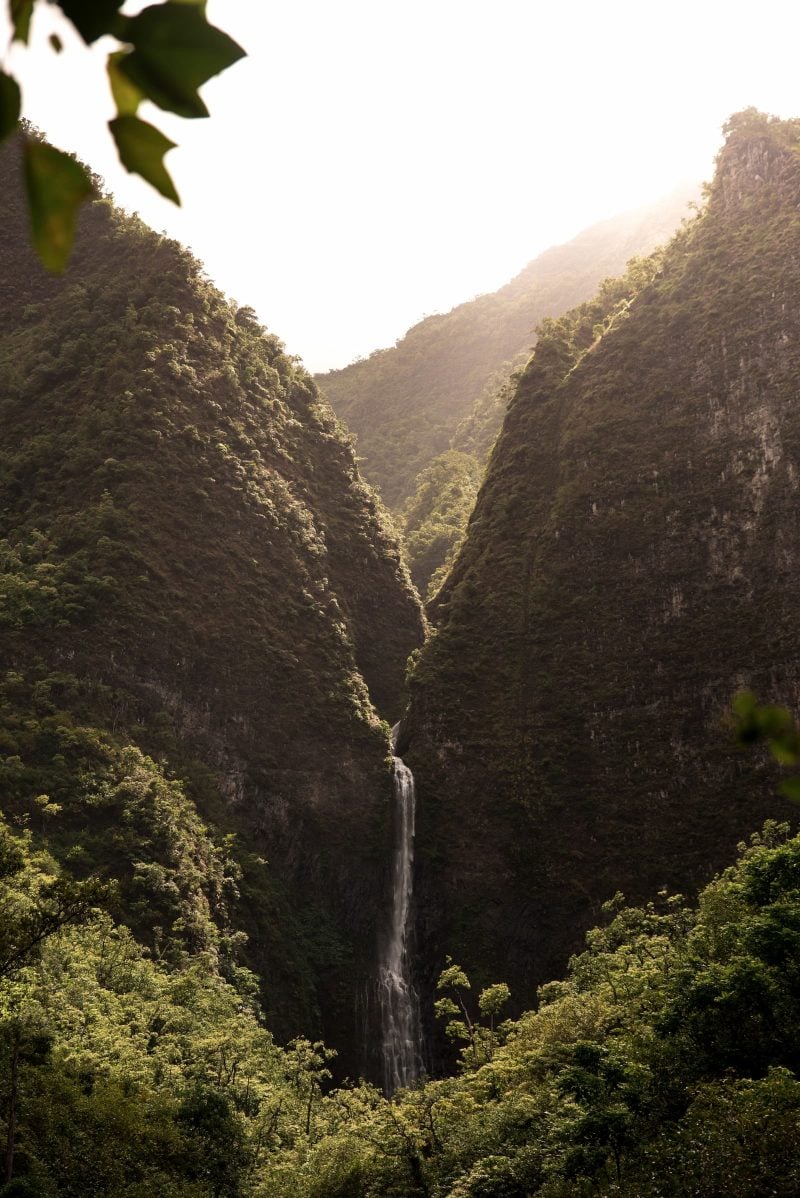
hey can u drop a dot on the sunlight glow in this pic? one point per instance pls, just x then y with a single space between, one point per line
371 163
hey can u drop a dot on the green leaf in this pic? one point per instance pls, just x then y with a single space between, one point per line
457 1030
57 185
175 51
444 1008
91 18
21 12
127 96
141 150
10 101
453 975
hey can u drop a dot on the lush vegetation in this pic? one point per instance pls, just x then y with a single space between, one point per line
630 564
201 606
664 1065
435 517
204 616
125 1072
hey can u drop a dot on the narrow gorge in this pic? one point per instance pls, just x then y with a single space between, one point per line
542 939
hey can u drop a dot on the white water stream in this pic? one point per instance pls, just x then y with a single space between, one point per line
399 1004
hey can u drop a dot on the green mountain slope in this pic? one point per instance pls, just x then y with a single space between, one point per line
405 403
193 570
630 563
435 517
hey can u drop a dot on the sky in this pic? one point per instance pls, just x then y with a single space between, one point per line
370 163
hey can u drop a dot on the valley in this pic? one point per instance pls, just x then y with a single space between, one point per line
349 852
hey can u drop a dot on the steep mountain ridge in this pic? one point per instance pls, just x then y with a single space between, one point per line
188 543
628 566
405 404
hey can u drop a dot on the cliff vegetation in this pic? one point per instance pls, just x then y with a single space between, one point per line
205 619
629 565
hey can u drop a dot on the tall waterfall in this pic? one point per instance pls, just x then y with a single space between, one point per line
399 1003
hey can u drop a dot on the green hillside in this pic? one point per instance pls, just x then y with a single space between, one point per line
204 619
629 565
205 625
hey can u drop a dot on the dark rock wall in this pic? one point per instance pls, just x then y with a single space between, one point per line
631 562
221 572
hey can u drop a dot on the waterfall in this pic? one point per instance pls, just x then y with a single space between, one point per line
399 1005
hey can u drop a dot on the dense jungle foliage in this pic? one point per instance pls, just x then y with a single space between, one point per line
630 563
204 620
435 517
663 1066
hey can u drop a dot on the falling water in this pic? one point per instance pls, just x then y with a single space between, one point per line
398 999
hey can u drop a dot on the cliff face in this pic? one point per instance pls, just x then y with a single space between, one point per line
406 404
631 562
186 536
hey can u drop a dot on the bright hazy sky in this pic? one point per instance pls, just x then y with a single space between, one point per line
370 162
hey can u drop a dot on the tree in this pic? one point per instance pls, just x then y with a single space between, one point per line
479 1038
166 53
35 904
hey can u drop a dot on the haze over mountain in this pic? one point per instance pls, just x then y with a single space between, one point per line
441 393
433 190
416 394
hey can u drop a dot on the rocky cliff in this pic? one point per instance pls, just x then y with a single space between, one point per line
630 564
187 541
